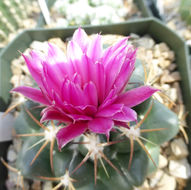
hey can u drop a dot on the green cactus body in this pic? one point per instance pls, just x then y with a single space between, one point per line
13 8
12 14
185 11
21 11
92 153
3 35
4 27
6 14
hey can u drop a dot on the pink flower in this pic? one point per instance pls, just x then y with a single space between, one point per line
85 88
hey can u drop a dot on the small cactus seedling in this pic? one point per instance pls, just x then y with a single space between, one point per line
90 102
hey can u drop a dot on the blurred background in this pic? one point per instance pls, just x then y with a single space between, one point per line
16 15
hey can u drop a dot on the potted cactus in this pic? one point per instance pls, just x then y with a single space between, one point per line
96 149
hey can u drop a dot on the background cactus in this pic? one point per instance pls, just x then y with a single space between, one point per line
185 11
159 125
13 14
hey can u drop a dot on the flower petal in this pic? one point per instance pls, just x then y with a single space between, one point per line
118 112
98 77
90 93
110 110
126 70
54 76
73 94
112 70
81 38
125 115
32 93
136 96
114 50
88 110
93 72
94 50
55 54
78 117
120 44
121 124
34 64
74 51
67 134
101 125
110 99
52 114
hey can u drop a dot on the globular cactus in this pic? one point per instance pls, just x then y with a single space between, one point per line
185 11
114 146
12 13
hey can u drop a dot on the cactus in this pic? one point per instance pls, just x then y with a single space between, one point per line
9 11
118 159
12 13
185 11
5 14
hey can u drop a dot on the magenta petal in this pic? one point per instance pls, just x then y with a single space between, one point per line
90 93
125 115
77 117
55 54
67 112
81 68
36 59
98 77
112 70
136 96
118 112
72 93
81 38
69 108
51 114
74 51
94 50
110 110
101 125
32 93
54 76
75 94
67 134
94 73
34 64
87 109
110 99
120 44
121 124
114 50
77 79
126 71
